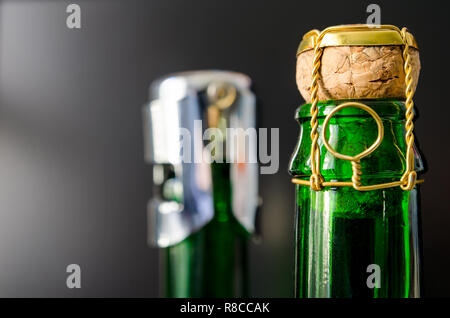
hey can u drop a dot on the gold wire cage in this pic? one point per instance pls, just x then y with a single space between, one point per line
316 181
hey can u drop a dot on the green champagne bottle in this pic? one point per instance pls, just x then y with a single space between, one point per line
202 212
357 215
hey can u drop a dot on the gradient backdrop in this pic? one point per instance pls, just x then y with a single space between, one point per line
73 183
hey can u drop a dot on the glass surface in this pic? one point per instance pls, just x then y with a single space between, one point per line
212 261
345 237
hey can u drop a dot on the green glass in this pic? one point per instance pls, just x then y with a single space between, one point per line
211 262
351 243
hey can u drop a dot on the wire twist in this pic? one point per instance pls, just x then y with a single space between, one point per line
356 178
316 178
410 175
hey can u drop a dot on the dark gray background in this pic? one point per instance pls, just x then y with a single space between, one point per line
73 183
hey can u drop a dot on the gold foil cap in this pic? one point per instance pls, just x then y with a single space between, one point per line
357 62
356 35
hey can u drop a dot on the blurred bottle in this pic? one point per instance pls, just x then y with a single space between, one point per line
202 212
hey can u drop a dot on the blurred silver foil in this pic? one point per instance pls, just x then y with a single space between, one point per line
182 202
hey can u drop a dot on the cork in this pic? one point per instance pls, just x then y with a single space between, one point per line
357 72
